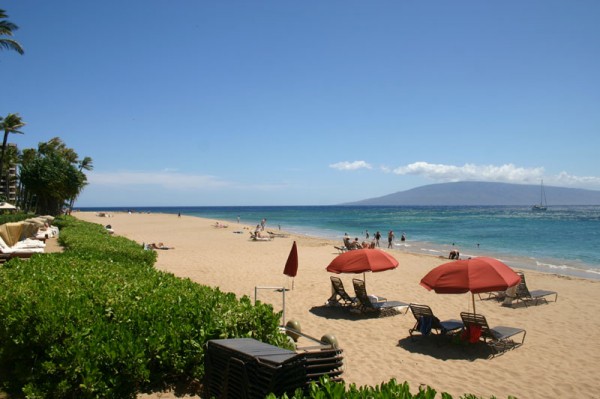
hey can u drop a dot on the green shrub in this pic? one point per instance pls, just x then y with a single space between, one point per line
14 217
98 321
88 241
327 389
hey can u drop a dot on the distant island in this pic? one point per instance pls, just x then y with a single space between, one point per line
470 193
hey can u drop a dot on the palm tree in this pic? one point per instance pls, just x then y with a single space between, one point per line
10 124
50 178
26 198
85 163
6 29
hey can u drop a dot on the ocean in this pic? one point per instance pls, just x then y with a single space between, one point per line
561 240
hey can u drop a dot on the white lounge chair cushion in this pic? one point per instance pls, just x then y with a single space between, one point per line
29 243
4 248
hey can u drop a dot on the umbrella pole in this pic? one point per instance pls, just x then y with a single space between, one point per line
473 298
288 280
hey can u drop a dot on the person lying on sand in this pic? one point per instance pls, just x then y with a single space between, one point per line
160 245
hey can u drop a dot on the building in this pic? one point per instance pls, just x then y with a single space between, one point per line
11 173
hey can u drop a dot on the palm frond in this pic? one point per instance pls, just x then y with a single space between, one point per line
8 44
7 28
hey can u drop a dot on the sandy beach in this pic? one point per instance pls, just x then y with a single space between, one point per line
558 359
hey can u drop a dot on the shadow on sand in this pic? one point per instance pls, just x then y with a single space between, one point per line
342 313
514 304
446 348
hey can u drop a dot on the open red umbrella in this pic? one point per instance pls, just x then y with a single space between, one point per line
475 275
361 261
291 266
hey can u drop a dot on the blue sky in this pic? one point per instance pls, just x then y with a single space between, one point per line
196 102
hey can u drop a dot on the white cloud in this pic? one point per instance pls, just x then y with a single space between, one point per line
164 179
565 179
507 173
504 173
350 165
176 181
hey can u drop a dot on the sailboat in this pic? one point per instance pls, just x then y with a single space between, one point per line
542 206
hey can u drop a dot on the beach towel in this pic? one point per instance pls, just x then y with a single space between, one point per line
425 323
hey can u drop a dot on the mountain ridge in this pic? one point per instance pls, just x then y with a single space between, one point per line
473 193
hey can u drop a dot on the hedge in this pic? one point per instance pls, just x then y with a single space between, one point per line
98 321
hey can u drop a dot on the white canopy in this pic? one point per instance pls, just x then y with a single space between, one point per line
6 205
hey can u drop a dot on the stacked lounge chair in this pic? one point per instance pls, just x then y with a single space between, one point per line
247 368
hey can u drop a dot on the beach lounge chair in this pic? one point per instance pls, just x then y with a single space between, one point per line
258 237
524 295
426 322
22 249
497 295
340 249
499 338
339 294
374 304
282 235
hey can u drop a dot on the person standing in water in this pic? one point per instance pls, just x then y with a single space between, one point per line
390 239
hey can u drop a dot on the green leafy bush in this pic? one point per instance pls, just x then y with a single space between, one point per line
88 241
14 217
98 321
327 389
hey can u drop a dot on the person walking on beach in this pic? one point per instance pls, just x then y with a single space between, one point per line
390 239
377 237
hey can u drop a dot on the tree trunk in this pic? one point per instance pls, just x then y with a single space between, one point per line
2 162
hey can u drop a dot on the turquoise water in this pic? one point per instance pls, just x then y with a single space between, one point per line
562 240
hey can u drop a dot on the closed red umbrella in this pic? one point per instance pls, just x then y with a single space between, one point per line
291 266
475 275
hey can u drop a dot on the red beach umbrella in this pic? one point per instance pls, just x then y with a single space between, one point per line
291 266
475 275
361 261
